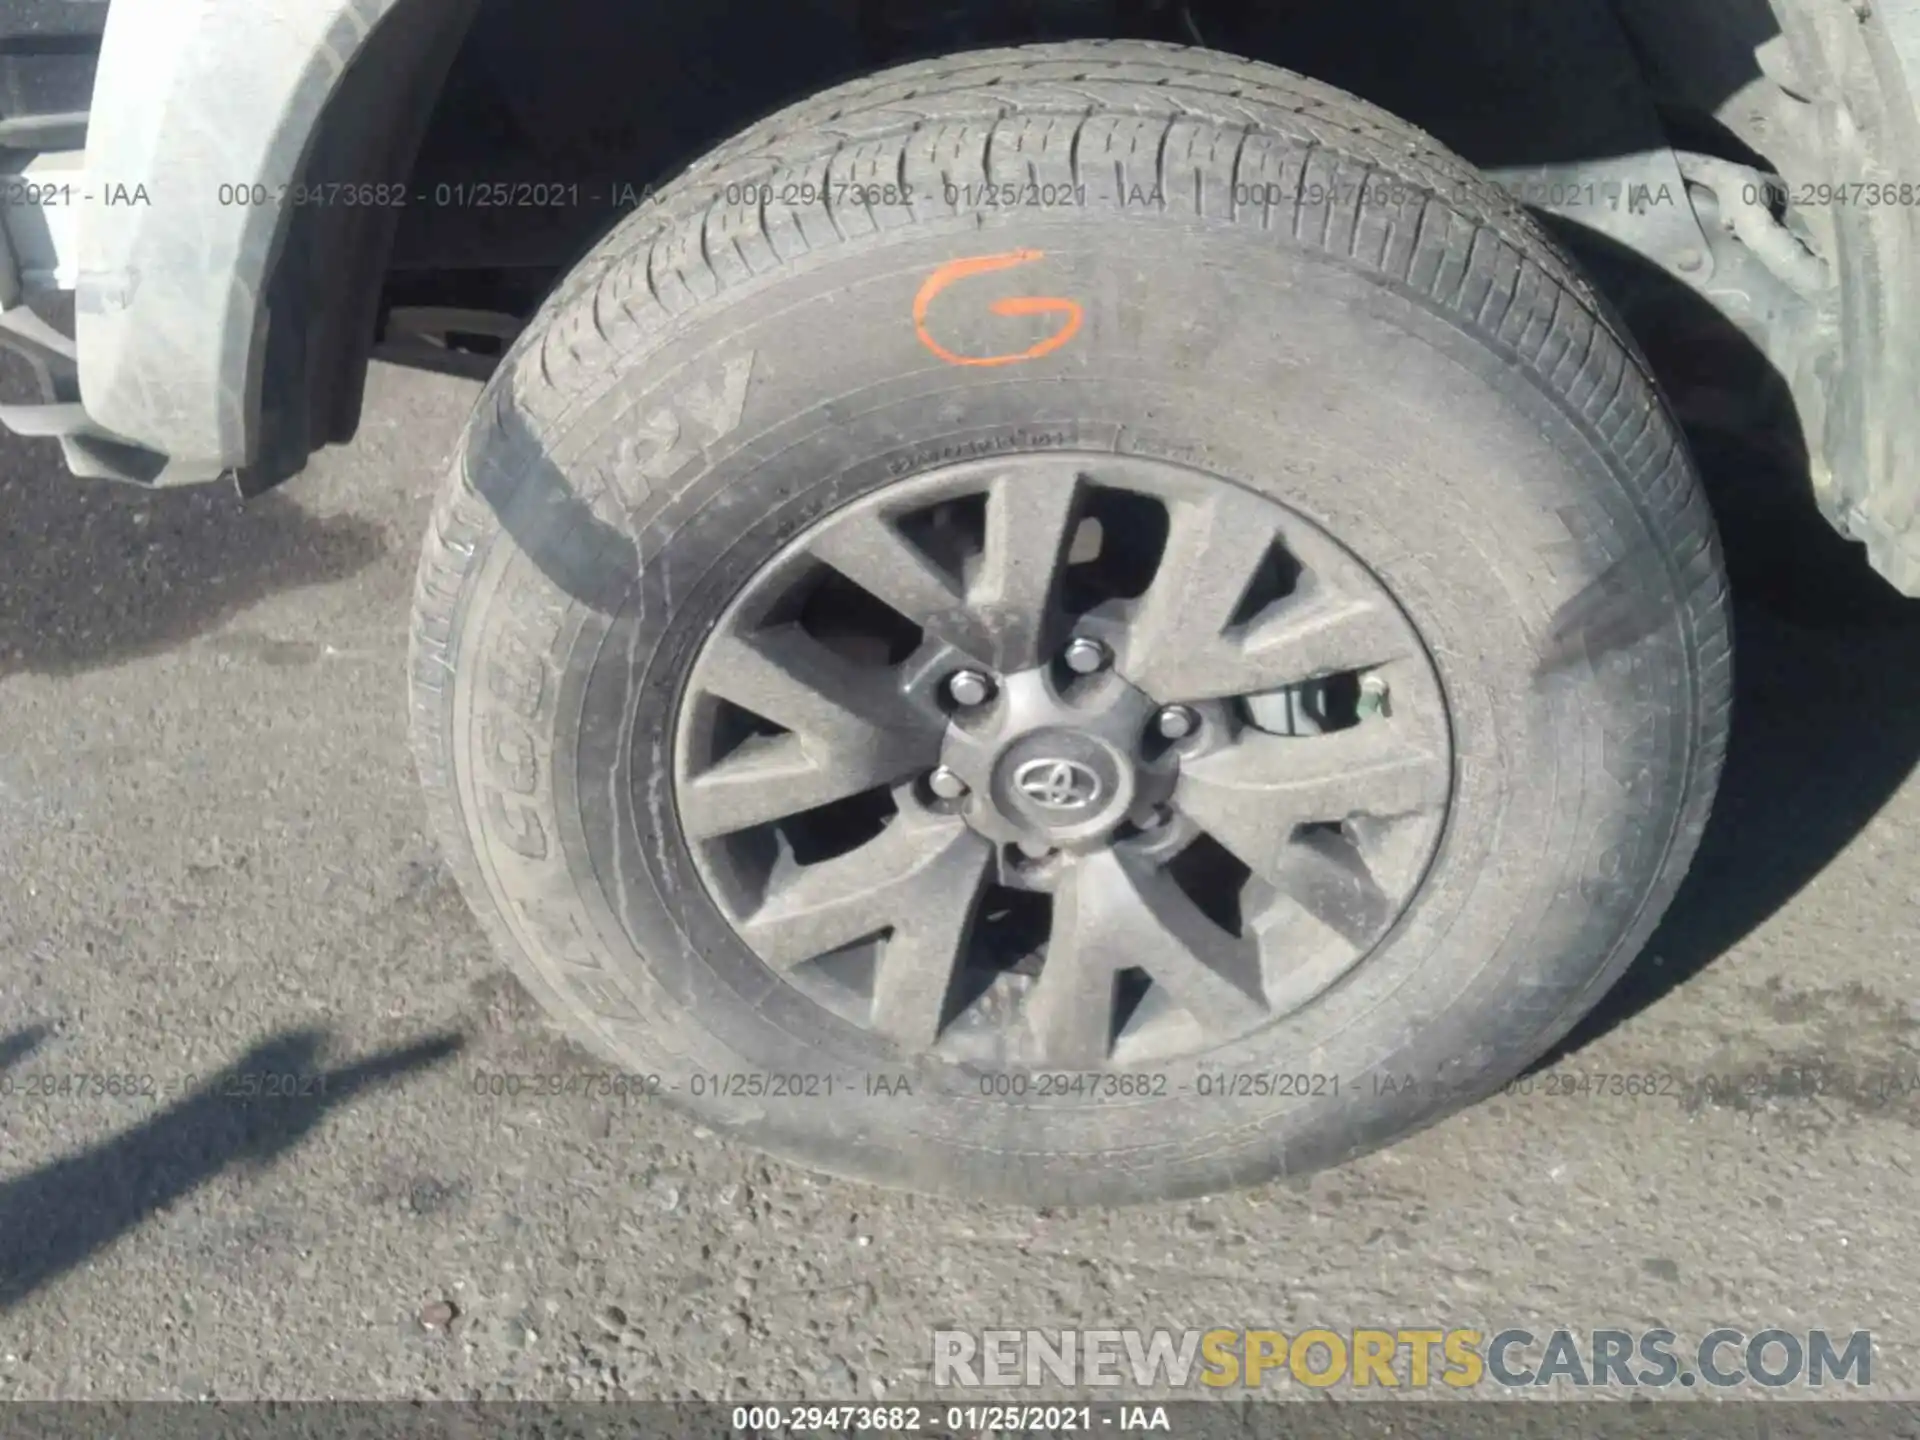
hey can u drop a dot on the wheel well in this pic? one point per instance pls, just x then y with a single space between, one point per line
522 130
574 109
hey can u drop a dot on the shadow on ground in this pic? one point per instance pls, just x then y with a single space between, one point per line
1826 729
16 1047
95 574
1826 718
54 1217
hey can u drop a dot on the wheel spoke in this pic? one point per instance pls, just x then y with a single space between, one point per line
924 952
1030 521
1111 915
1176 636
871 552
1254 796
904 880
777 779
850 732
1326 877
1069 1011
1182 642
1319 631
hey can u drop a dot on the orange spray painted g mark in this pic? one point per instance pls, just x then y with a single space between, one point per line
957 270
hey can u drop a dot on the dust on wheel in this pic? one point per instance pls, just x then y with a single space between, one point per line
1062 761
1229 654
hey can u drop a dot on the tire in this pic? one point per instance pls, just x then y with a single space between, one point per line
1257 279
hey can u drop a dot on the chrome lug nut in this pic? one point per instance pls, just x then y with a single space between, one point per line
969 688
1176 722
1085 657
946 784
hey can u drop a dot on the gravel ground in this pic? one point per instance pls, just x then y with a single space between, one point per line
215 857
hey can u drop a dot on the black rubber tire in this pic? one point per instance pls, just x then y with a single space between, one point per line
1281 285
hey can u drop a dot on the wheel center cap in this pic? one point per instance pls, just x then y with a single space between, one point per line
1057 779
1052 784
1062 768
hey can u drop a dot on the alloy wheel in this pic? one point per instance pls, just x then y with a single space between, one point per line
1063 760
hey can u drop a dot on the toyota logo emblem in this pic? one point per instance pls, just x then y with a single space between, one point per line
1058 784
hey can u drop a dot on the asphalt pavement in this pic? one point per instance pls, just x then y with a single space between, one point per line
213 862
